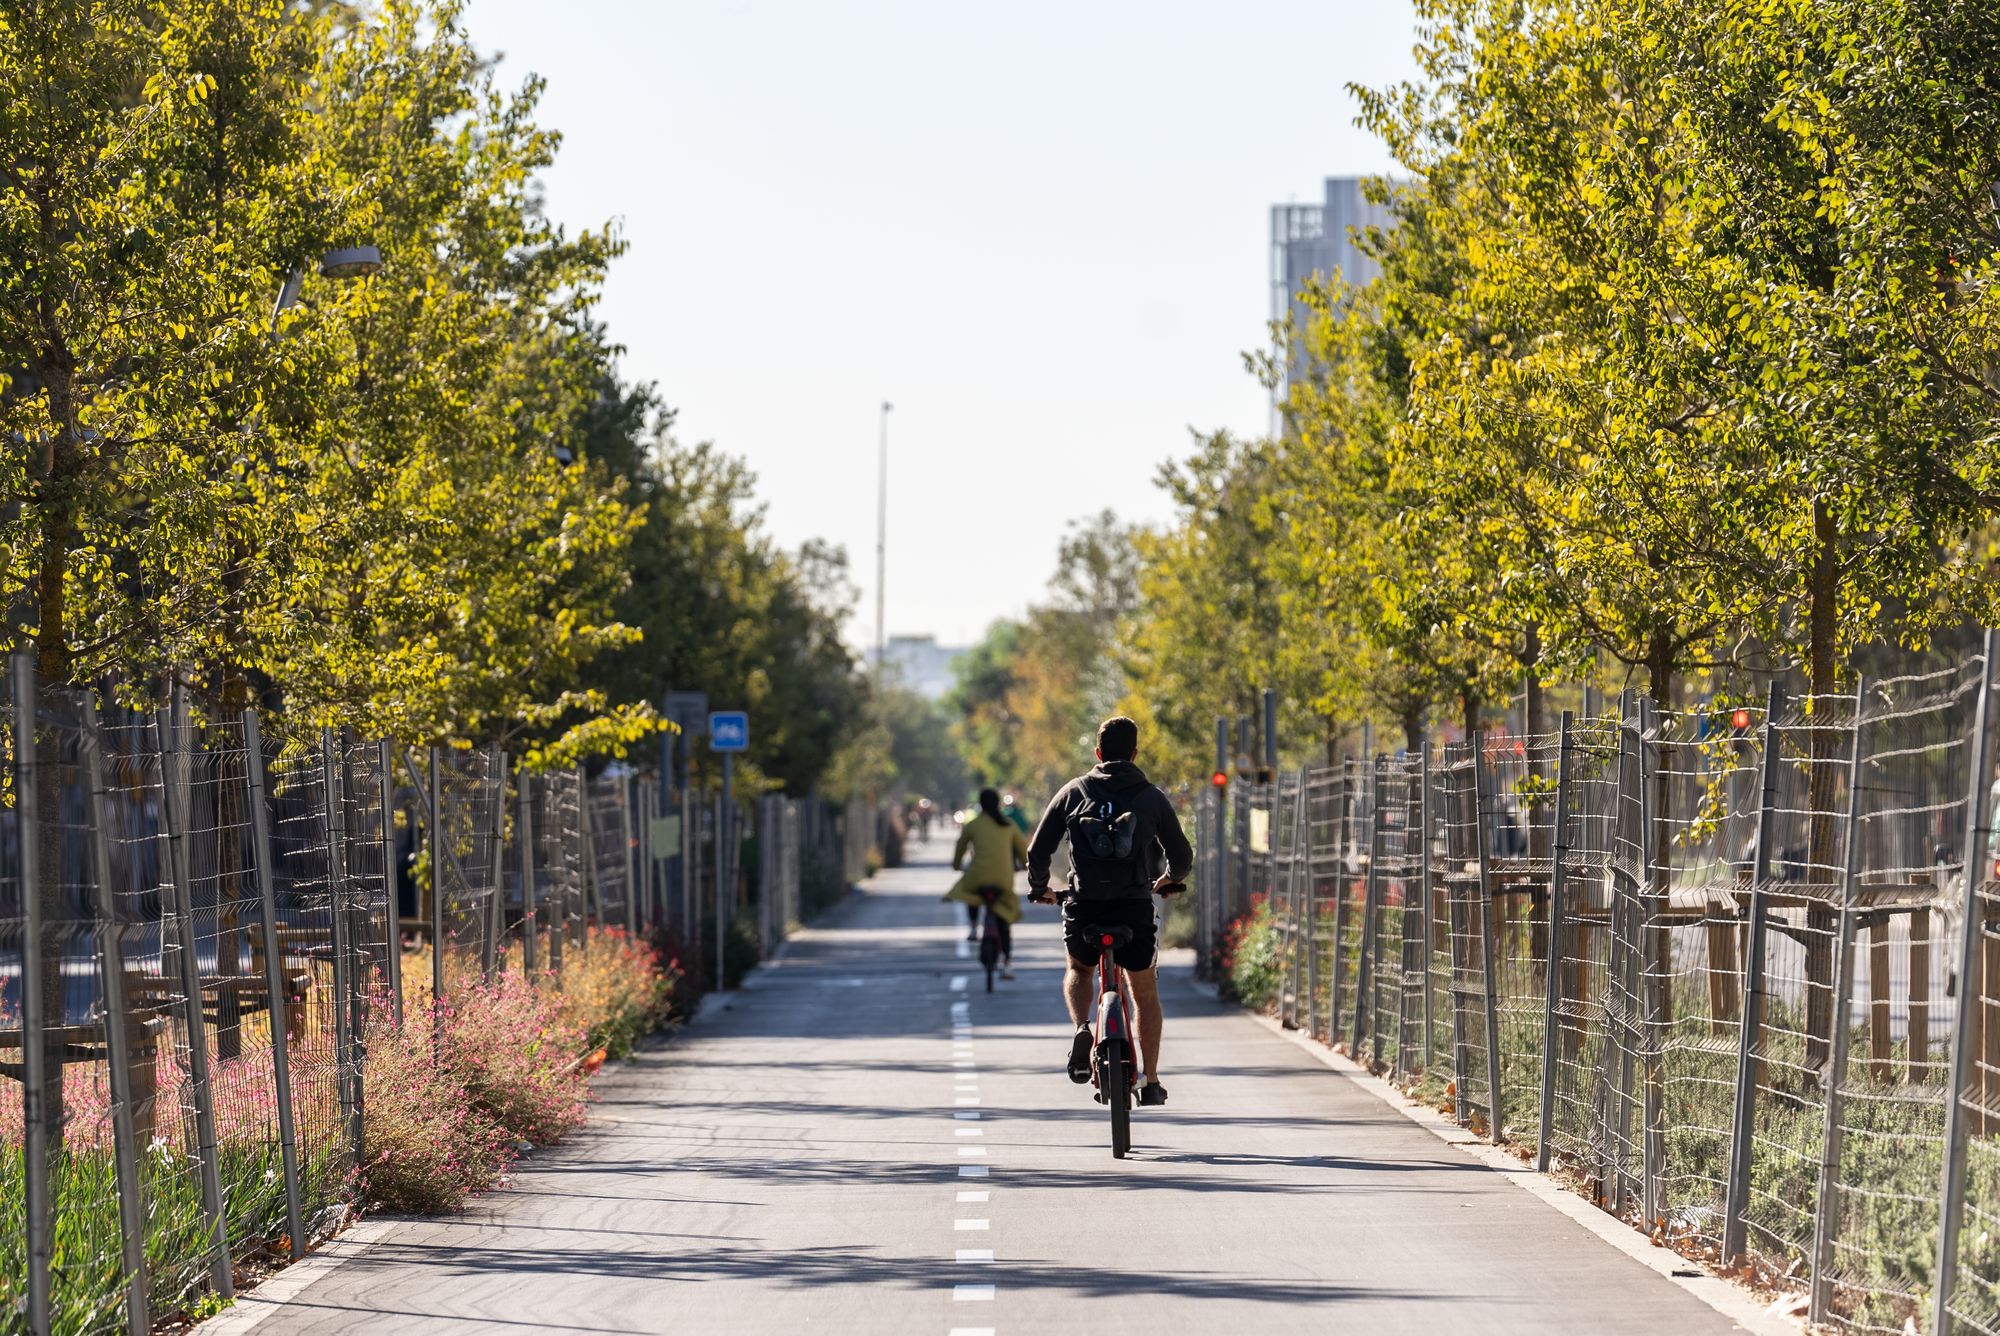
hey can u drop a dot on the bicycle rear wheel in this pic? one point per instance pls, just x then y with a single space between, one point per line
989 949
1114 1080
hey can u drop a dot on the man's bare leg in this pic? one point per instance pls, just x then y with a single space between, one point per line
1146 994
1078 985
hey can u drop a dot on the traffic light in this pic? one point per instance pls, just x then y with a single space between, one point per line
1220 779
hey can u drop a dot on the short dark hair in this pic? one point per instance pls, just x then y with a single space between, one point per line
1118 739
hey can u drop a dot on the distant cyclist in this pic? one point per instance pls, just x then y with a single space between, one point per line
1116 890
997 849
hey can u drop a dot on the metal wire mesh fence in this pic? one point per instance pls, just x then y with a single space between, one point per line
1733 971
201 921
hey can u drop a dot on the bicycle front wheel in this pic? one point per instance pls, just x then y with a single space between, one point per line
1114 1080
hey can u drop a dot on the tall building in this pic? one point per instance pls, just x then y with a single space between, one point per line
921 664
1308 239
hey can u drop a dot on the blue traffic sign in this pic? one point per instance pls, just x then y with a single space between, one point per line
728 731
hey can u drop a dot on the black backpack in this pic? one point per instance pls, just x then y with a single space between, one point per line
1104 843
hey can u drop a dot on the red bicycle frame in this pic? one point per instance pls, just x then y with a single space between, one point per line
1113 1007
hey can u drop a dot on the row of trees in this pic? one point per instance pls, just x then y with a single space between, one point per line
1681 365
406 491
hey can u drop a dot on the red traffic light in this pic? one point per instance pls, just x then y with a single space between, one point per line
1739 719
1220 779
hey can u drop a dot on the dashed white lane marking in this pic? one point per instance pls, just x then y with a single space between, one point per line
974 1294
970 1331
974 1255
972 1152
958 983
972 1171
968 1132
965 1099
964 951
968 1225
967 1113
978 1196
964 1064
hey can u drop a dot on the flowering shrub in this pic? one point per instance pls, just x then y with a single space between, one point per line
1250 964
428 1143
515 1047
617 990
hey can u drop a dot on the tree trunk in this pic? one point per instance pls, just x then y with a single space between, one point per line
1821 785
1413 727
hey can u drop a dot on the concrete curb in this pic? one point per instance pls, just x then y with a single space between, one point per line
253 1307
1725 1296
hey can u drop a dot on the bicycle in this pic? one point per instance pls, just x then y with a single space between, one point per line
1114 1049
991 946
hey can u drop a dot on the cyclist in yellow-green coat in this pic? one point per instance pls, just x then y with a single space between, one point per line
997 849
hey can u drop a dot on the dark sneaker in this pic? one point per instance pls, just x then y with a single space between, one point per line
1152 1093
1079 1056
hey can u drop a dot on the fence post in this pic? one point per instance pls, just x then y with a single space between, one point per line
117 1037
1489 943
631 863
1742 1148
1338 965
550 838
1366 1025
167 724
1419 968
433 837
1971 985
1652 981
1308 829
274 979
1552 998
348 1011
494 929
1826 1218
524 842
34 1003
392 936
1424 885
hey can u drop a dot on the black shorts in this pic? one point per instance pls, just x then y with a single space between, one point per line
1135 913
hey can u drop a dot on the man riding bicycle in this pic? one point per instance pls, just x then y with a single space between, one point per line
1147 851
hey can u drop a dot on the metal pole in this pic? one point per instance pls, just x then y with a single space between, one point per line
1552 997
348 1013
392 937
1736 1202
553 859
1367 1023
274 979
524 843
1218 895
881 550
631 863
1489 941
117 1037
1338 970
1971 986
495 917
1424 886
173 813
1826 1216
1653 984
434 836
723 868
34 1005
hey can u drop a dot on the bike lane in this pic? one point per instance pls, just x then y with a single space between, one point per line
865 1141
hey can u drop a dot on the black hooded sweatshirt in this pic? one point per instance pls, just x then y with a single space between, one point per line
1158 829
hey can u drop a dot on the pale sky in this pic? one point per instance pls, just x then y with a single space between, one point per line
1040 229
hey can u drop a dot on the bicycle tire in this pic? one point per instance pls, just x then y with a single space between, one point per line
1116 1081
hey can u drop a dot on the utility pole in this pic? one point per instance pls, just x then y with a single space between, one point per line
882 543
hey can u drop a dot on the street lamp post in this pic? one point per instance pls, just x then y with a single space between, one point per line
882 543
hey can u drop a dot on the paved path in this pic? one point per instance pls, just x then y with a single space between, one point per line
826 1155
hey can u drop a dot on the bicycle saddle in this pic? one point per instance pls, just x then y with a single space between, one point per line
1119 933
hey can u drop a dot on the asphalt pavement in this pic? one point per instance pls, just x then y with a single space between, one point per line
864 1141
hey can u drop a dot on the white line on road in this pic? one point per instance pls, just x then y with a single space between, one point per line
974 1255
967 1225
978 1196
968 1132
972 1171
965 1099
972 1152
958 984
970 1331
963 1113
964 951
974 1294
